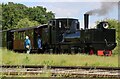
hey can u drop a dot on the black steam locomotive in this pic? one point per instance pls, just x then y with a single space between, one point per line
64 35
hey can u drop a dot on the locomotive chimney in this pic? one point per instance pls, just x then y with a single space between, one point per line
86 21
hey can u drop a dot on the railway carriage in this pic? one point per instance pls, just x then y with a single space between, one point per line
14 39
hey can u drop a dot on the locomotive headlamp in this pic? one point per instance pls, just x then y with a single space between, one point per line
105 25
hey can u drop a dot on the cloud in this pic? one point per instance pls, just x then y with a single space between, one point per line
64 12
63 9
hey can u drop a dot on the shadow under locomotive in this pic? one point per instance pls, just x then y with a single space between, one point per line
63 35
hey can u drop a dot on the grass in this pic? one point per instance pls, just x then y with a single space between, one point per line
12 58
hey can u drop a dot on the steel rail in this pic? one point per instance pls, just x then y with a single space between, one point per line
60 67
62 71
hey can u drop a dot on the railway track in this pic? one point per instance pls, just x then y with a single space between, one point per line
61 71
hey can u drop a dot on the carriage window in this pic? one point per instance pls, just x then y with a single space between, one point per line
16 35
78 26
29 33
22 36
52 23
60 25
63 24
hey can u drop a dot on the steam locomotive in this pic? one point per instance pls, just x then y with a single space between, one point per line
63 35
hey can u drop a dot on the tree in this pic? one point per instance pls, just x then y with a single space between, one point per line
12 13
26 23
40 14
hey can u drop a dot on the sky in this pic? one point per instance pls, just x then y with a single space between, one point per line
73 9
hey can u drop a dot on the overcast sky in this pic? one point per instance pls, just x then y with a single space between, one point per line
74 9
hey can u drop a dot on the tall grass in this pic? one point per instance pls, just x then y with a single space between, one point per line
12 58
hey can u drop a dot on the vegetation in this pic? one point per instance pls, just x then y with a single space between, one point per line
26 23
16 15
11 58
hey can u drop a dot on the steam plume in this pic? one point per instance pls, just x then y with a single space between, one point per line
104 9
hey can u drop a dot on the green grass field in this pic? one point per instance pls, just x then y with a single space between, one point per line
12 58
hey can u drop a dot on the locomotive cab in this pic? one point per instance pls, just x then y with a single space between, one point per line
58 28
63 33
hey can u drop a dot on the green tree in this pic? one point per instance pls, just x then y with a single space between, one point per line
26 23
12 13
40 14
